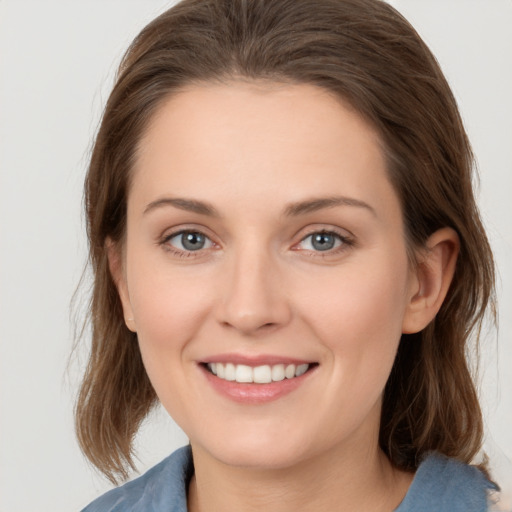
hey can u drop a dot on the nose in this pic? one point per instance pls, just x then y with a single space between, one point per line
253 298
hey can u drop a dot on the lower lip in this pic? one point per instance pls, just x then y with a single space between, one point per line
250 393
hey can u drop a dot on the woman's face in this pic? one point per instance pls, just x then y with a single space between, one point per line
264 238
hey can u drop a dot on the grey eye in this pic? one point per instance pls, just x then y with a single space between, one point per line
190 241
321 241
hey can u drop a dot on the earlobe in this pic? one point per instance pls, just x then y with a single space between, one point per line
434 274
115 263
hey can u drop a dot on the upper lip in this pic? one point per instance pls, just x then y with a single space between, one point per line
254 360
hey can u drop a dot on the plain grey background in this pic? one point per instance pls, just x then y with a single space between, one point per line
57 60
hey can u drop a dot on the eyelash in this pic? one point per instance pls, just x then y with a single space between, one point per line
180 252
346 243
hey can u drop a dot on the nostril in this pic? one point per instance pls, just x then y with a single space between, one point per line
252 327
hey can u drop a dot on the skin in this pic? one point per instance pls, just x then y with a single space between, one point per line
259 286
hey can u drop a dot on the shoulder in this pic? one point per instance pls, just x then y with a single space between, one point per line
163 487
447 485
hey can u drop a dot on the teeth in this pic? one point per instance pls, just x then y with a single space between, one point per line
301 369
289 373
243 373
260 374
277 372
229 371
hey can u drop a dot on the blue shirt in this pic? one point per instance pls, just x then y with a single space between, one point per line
440 485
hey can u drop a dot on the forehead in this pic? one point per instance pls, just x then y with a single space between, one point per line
261 141
271 114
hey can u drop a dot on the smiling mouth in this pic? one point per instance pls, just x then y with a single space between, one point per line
264 374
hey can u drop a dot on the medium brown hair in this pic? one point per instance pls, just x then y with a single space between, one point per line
366 53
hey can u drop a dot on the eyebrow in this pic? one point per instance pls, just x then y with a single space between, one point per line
321 203
291 210
190 205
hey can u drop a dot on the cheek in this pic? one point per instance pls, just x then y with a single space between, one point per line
169 312
169 308
358 313
369 296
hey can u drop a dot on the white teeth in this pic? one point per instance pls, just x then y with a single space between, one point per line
289 373
278 372
260 374
301 369
229 371
243 373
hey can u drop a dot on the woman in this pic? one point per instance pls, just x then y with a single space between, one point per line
288 256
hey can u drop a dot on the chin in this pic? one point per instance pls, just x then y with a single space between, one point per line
256 452
258 459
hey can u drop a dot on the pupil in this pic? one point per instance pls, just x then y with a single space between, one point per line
192 241
323 241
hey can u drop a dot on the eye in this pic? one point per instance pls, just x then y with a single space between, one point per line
189 241
322 241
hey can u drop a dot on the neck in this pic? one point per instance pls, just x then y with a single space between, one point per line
361 479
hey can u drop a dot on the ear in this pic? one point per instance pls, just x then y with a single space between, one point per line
433 276
116 266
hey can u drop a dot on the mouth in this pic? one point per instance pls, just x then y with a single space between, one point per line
262 374
256 379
